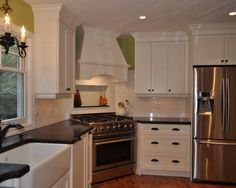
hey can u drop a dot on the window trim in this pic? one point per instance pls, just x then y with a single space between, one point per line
28 67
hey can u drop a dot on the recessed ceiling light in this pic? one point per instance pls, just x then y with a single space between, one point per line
142 17
232 13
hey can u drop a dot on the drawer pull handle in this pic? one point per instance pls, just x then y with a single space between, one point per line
154 129
175 161
68 89
154 142
175 129
154 160
175 143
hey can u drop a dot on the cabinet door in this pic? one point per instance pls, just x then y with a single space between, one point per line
160 67
208 49
143 67
67 59
64 182
230 46
176 73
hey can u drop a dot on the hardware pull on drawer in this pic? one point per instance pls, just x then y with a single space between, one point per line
175 161
154 142
175 143
175 129
154 129
154 160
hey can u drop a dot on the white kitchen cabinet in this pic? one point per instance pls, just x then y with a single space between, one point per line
160 67
54 51
214 44
81 167
143 67
64 182
214 49
163 149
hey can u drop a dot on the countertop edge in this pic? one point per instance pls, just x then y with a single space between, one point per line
21 169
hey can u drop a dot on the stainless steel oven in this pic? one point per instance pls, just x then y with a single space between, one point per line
114 155
114 144
114 151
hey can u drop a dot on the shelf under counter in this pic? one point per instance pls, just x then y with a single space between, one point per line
93 106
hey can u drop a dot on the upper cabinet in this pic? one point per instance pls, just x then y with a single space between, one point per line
54 51
214 45
161 64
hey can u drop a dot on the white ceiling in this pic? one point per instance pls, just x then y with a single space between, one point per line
162 15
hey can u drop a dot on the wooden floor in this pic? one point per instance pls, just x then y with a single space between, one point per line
136 181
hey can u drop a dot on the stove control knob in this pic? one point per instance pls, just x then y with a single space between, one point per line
118 126
114 127
125 126
108 127
131 125
101 128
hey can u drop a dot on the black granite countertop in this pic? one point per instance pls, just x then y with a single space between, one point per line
163 120
8 171
64 132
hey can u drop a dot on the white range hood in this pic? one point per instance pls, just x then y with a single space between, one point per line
98 53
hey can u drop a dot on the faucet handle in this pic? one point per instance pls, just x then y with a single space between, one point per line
19 126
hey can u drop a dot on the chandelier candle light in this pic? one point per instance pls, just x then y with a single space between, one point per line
8 40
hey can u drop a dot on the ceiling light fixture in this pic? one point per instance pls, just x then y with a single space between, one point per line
142 17
7 40
232 13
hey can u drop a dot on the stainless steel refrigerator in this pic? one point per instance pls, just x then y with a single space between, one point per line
214 124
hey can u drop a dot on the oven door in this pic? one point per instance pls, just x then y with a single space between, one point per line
113 152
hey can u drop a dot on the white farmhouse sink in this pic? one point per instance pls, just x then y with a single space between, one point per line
48 163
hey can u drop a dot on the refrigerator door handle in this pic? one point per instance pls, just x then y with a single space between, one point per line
228 103
218 143
223 104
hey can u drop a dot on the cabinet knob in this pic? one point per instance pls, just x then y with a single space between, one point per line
68 89
152 89
154 160
154 129
222 61
169 90
175 143
175 129
226 60
175 161
154 142
149 90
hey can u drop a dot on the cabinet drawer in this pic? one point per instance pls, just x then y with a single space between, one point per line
159 162
171 145
165 129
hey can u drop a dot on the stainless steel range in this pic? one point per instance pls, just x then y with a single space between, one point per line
114 144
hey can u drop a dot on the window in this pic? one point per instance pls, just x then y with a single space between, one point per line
12 85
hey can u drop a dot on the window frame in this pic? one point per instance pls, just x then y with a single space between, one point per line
27 70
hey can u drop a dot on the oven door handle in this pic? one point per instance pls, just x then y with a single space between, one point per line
113 141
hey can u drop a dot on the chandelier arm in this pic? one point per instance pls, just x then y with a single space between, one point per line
21 48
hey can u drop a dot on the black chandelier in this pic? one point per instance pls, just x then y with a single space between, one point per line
7 40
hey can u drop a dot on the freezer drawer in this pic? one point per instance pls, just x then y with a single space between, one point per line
214 160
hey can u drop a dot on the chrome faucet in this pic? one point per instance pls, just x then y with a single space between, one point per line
3 131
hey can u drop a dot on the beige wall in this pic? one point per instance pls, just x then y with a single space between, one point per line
52 110
143 106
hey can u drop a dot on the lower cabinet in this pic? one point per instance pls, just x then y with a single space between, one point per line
163 149
64 182
81 167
